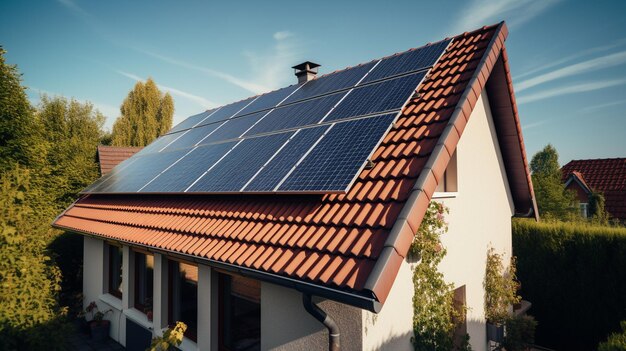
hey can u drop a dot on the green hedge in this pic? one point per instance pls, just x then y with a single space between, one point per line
575 277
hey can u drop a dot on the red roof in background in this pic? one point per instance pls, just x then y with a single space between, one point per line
607 176
347 247
111 156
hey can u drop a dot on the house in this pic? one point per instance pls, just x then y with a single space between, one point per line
280 269
110 156
606 176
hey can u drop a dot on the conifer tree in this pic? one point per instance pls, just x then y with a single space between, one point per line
146 114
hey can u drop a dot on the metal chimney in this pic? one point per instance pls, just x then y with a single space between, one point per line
305 71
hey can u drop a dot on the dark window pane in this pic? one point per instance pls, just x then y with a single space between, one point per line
144 266
115 271
183 297
240 313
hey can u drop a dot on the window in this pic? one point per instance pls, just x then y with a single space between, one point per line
183 296
459 318
449 184
144 267
115 255
239 313
584 209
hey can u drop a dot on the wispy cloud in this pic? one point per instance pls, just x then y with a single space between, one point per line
189 96
566 59
595 64
269 67
572 89
515 12
602 106
247 85
534 124
266 67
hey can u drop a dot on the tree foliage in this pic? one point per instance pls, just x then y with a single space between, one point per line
146 114
47 155
29 283
19 135
553 200
597 210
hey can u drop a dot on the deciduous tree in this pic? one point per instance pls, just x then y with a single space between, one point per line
553 200
146 114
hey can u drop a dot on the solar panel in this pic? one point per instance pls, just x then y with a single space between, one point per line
234 170
335 162
226 112
192 136
233 128
268 100
408 61
191 121
313 137
188 169
331 82
386 95
275 170
137 174
296 115
158 144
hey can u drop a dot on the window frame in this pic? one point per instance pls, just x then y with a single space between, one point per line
190 334
136 255
110 289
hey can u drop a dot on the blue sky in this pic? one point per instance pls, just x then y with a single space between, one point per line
568 58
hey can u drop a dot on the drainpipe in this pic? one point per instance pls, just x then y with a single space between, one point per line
329 323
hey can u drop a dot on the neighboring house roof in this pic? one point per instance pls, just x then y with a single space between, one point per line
111 156
607 176
347 247
579 179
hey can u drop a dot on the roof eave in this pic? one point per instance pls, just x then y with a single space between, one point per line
364 300
397 244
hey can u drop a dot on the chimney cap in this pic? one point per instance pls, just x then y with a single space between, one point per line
306 66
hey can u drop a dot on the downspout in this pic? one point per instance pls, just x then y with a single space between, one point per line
329 323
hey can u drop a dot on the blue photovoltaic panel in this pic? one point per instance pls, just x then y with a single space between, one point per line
331 82
407 62
188 169
192 136
383 96
141 171
234 170
127 162
296 115
333 164
268 100
190 121
226 112
233 128
158 144
283 162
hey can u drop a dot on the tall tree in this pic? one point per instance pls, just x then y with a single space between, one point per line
146 114
553 200
19 133
73 130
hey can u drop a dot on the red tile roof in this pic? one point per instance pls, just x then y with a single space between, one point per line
607 176
111 156
347 247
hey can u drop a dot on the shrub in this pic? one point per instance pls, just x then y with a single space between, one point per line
520 333
575 276
615 342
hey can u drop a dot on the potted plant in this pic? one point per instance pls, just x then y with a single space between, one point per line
500 293
98 326
171 338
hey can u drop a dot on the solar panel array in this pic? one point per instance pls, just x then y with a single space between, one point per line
315 137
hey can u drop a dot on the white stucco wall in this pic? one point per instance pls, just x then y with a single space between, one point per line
286 325
480 217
